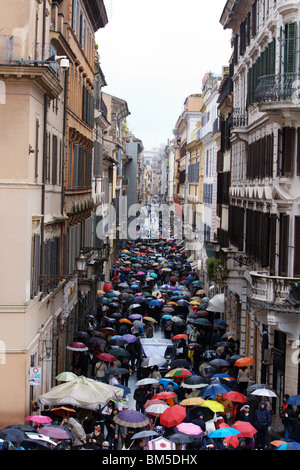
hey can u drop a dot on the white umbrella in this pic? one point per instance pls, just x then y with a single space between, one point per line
147 381
216 304
153 361
82 392
264 392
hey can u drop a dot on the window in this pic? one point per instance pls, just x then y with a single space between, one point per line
54 159
36 154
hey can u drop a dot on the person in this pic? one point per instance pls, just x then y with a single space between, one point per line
149 330
262 421
245 414
79 435
17 446
6 445
288 413
215 337
243 379
295 431
140 444
227 414
155 374
110 427
141 395
95 441
100 371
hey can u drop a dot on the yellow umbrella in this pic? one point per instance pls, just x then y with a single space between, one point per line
192 401
150 319
193 302
213 405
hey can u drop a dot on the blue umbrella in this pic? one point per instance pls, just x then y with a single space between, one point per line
294 400
166 382
155 302
127 390
166 317
223 432
289 446
214 389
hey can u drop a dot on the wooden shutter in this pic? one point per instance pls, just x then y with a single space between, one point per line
284 244
290 47
288 150
297 247
54 159
272 246
298 151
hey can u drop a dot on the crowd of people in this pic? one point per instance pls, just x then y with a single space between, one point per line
153 292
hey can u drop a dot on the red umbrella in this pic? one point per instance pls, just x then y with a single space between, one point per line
107 287
232 440
246 429
106 357
164 395
64 411
77 346
244 361
235 396
180 336
172 416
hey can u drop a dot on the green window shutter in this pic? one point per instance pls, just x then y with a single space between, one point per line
297 247
284 244
290 47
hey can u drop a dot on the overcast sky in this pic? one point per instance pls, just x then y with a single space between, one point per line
155 53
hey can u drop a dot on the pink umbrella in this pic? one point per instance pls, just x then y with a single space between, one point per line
189 428
77 346
39 419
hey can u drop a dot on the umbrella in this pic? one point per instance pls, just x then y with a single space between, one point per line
172 416
246 429
56 432
106 357
117 371
125 320
243 362
108 331
82 392
150 319
119 352
264 392
64 411
213 405
214 389
216 304
146 381
180 363
232 440
164 395
179 372
277 443
129 338
236 396
131 419
194 381
12 435
154 361
39 419
193 401
180 336
219 363
156 409
135 316
190 429
202 321
210 354
223 432
289 446
161 443
166 382
180 438
77 346
145 433
294 400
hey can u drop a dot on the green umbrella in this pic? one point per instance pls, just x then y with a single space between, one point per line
119 352
202 321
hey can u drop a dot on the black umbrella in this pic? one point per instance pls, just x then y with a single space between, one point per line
12 435
193 381
117 371
180 363
210 354
180 438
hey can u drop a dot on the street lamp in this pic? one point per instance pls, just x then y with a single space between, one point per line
81 262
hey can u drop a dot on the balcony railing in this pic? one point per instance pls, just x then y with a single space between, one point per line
274 293
239 117
281 87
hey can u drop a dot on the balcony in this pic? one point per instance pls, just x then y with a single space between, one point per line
276 294
278 96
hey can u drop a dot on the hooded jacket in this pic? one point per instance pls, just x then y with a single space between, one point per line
263 418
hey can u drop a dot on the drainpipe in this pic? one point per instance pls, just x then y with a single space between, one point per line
44 172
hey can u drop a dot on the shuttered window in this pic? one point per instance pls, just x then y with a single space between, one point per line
284 244
288 148
290 47
257 236
35 270
236 226
98 159
297 247
54 159
273 231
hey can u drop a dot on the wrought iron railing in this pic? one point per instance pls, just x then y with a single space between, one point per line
280 87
